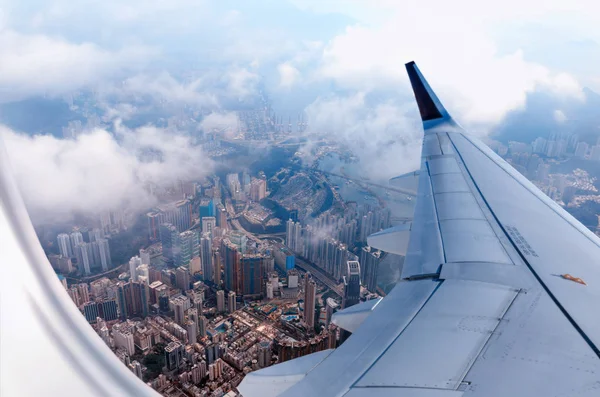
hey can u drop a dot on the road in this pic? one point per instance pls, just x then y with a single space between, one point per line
319 275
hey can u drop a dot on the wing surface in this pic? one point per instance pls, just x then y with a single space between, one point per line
482 309
47 347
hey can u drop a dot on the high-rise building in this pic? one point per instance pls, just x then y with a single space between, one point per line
581 150
61 263
330 306
239 239
123 337
182 278
143 273
220 301
264 354
192 330
145 256
195 265
310 296
108 309
207 256
104 250
76 239
232 265
136 368
171 246
370 259
258 189
83 292
133 299
64 245
190 247
90 311
202 324
83 255
134 263
208 224
174 352
221 216
351 285
218 264
252 274
231 304
206 208
154 221
180 304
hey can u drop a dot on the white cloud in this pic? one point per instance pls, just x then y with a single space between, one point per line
288 75
39 65
383 135
559 116
241 82
164 87
224 122
98 172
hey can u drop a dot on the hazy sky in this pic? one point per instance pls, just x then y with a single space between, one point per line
339 61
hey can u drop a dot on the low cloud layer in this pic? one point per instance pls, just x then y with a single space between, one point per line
99 171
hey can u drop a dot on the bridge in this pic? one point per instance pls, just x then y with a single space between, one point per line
386 187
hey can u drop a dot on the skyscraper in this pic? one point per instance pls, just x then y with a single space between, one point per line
90 311
104 249
207 256
183 220
310 294
133 299
252 274
231 263
208 224
351 284
182 276
76 239
173 355
220 301
145 256
83 254
190 247
218 264
171 247
64 245
264 354
231 304
134 262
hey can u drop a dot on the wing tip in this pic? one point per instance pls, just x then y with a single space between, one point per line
430 107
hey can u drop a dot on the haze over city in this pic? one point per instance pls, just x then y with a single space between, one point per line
203 176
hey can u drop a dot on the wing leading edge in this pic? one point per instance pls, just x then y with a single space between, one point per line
481 309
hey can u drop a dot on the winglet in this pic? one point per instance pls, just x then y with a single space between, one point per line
430 106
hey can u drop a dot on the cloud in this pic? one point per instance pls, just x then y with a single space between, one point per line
559 116
474 80
288 75
241 82
99 171
383 134
163 87
43 65
224 122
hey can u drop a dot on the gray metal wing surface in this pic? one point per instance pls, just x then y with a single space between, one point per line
497 296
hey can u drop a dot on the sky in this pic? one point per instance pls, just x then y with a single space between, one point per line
339 62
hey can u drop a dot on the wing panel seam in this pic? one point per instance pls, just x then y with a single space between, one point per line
358 379
538 278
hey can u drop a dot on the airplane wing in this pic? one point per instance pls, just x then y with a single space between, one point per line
46 346
497 296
